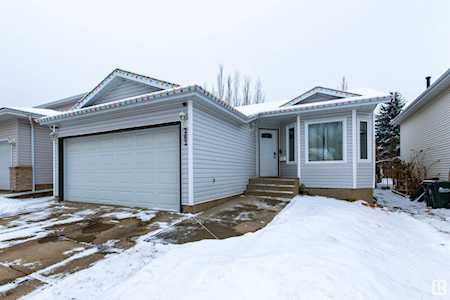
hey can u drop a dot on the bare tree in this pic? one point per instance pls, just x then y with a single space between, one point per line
259 94
220 83
344 84
246 95
229 91
236 88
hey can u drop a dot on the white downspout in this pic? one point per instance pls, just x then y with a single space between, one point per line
33 169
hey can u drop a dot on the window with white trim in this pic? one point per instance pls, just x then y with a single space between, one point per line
325 141
290 144
364 139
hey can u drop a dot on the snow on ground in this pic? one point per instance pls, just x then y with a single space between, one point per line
316 248
11 207
438 218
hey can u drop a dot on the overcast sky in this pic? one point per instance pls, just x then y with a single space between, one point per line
54 49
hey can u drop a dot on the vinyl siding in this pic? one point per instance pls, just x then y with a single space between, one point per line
428 129
121 88
365 169
224 156
23 143
8 130
328 175
43 155
43 151
130 118
287 169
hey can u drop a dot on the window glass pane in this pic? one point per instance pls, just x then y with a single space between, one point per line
316 145
291 144
363 140
325 141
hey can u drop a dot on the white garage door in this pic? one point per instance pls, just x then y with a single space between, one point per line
5 163
138 168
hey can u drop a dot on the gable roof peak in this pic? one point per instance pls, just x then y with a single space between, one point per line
120 73
320 90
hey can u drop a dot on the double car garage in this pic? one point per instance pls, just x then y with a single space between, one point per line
137 167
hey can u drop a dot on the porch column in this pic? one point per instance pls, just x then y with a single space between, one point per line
298 146
354 147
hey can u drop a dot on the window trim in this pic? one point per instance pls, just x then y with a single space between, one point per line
369 139
291 162
344 140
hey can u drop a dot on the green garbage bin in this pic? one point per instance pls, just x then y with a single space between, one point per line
440 194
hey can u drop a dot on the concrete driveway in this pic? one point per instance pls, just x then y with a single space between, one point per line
48 241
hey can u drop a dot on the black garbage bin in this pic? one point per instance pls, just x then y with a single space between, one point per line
440 194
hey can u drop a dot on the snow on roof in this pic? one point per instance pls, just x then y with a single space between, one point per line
66 100
277 107
253 109
31 110
367 92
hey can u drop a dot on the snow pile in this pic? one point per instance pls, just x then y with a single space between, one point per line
316 248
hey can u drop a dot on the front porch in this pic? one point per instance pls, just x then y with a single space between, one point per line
330 152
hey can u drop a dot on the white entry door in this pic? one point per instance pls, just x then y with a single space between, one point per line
268 152
5 163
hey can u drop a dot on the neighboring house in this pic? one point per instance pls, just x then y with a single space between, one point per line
26 151
425 126
138 141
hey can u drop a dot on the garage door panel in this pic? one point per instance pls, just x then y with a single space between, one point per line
5 163
135 168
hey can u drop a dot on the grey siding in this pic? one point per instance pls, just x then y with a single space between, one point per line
120 88
286 169
365 169
43 151
8 130
23 143
428 129
135 117
329 175
43 155
318 97
224 156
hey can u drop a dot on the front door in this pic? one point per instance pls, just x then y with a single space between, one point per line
268 152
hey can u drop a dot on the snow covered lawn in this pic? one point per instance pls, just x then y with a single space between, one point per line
316 248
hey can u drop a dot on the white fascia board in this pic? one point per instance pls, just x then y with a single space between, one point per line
321 107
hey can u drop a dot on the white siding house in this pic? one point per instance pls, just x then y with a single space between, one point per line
26 160
425 126
219 147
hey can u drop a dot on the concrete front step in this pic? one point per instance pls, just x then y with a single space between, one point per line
281 194
271 187
273 180
273 198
